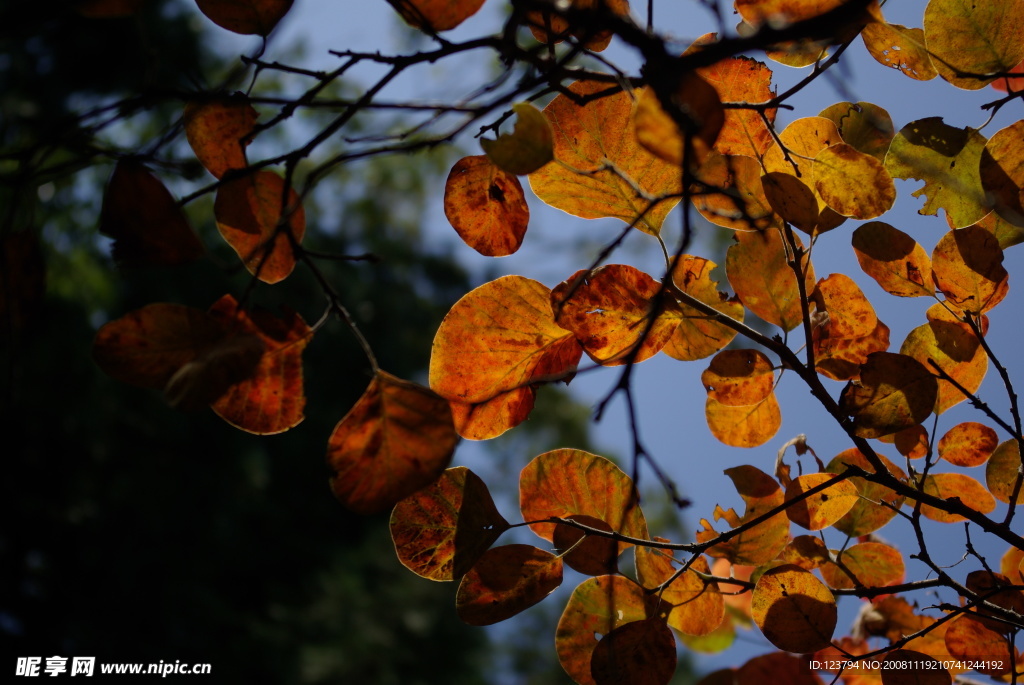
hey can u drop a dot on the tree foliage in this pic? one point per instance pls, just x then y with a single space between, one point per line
697 128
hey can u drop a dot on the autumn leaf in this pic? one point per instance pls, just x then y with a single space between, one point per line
1002 172
548 27
568 482
588 138
864 565
876 504
739 377
640 652
609 310
761 542
506 581
397 439
145 221
899 47
491 418
436 15
821 509
254 218
956 350
766 668
692 132
486 206
698 336
440 531
853 183
801 142
272 399
968 444
909 667
946 158
968 267
969 638
730 193
866 127
793 609
597 607
896 262
528 148
742 79
895 391
971 39
758 270
842 358
1001 472
500 337
745 425
850 314
218 131
592 555
248 17
969 491
689 604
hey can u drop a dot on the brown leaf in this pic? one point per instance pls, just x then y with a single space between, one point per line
793 609
637 653
690 604
486 206
506 581
548 27
592 555
218 131
248 17
968 444
895 391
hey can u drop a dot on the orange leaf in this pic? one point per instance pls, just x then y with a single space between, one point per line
971 38
1002 171
698 336
146 223
739 377
841 358
597 607
690 604
948 485
864 565
248 17
272 399
567 482
440 531
592 555
820 510
853 183
744 426
805 551
760 274
967 637
218 131
956 350
486 206
506 581
730 193
901 48
587 138
396 440
548 27
867 127
968 266
1010 565
793 609
756 12
249 217
850 314
804 139
946 158
500 337
530 145
797 203
609 311
895 391
877 504
996 589
968 444
746 80
911 442
436 15
894 260
1001 472
490 418
762 542
693 135
637 653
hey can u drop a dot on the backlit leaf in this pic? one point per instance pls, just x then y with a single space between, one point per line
894 260
793 200
548 27
490 418
1001 472
730 193
696 335
756 12
824 508
1006 233
596 608
249 217
776 667
996 589
530 145
272 399
793 609
894 391
746 425
202 381
746 80
805 551
568 482
968 267
866 564
589 136
946 158
968 444
592 555
1010 565
901 48
440 531
877 504
486 206
841 358
956 350
500 337
248 17
803 139
218 130
911 442
948 485
145 221
436 15
969 638
694 135
1002 171
760 274
609 311
850 314
637 653
506 581
690 604
853 183
866 127
762 542
396 440
969 39
739 377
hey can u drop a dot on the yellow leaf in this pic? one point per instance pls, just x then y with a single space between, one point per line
530 145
